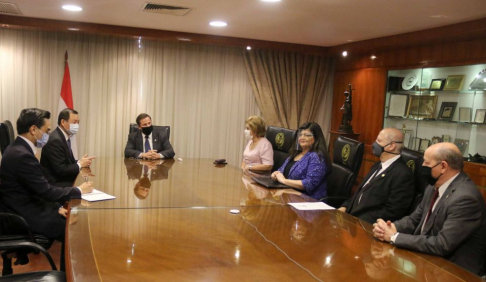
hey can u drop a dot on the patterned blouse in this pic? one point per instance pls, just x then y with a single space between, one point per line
313 172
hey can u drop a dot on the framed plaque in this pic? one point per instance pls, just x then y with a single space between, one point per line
437 84
447 110
436 139
424 144
422 106
446 138
465 114
480 116
416 143
407 140
454 82
462 145
398 105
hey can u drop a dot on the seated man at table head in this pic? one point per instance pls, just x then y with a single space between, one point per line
57 160
451 219
24 190
387 191
147 142
309 165
258 154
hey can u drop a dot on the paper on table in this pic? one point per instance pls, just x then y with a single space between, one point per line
307 206
97 195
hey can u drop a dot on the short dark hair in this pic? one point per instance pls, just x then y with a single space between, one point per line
29 117
65 115
142 116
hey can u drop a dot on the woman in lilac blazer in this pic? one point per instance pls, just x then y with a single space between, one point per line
309 165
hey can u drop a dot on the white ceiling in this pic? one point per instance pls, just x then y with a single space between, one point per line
311 22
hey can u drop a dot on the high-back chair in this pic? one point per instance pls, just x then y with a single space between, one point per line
6 135
134 127
414 161
281 140
347 158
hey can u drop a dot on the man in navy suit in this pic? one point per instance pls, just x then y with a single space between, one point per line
24 190
148 143
388 189
58 163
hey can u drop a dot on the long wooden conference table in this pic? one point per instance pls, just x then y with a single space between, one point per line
180 229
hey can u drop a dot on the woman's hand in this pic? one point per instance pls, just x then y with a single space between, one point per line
274 175
281 178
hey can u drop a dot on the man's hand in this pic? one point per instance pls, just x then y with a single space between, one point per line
62 211
86 172
85 161
383 231
86 187
152 154
342 209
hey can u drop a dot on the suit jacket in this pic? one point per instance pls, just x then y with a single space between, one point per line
57 161
456 229
160 142
135 169
312 171
25 191
389 195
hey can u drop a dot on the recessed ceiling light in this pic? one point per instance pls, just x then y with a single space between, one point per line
183 39
271 0
218 23
72 28
72 8
248 47
373 57
345 53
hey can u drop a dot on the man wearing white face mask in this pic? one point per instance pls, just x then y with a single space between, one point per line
57 160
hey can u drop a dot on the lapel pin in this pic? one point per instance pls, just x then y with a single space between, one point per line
383 175
447 196
155 140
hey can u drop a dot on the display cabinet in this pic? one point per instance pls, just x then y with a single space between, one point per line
434 105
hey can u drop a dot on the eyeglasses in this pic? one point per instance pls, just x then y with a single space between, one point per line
306 135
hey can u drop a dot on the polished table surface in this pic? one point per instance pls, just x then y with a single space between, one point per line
182 230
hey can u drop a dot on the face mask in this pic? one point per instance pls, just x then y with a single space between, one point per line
73 129
43 141
147 130
378 150
427 173
247 134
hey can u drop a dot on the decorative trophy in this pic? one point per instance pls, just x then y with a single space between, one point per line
347 109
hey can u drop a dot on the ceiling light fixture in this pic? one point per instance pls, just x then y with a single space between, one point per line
345 53
72 8
218 23
248 47
271 0
373 57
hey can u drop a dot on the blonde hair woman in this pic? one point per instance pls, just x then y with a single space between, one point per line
258 154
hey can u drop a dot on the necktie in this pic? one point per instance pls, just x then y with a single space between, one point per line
147 143
69 143
434 198
375 174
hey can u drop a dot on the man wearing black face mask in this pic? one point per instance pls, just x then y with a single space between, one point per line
148 143
388 189
451 219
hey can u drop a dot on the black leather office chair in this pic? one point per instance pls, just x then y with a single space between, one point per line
347 158
50 276
281 140
414 161
14 229
6 135
134 127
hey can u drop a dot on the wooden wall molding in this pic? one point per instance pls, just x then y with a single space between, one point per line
173 36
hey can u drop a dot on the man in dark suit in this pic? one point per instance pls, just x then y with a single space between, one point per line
451 219
148 143
24 189
388 189
57 160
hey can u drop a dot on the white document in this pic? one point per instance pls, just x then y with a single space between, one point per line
97 195
308 206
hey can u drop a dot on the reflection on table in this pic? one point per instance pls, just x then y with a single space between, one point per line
183 231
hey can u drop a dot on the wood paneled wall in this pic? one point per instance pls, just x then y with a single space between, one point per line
461 44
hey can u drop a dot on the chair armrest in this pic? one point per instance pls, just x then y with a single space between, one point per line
22 222
12 247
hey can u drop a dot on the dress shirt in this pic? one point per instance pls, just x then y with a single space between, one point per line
384 165
151 145
66 136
